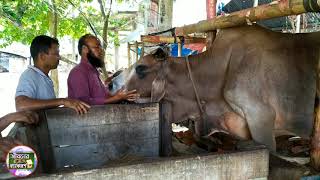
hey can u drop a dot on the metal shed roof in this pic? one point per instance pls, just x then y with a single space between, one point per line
278 24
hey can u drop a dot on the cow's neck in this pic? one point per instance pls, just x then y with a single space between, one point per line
177 76
179 90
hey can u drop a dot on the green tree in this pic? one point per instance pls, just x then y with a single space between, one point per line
22 20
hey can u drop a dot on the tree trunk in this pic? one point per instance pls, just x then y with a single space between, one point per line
116 53
53 16
105 36
129 55
74 53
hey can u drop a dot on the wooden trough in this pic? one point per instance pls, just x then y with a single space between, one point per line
251 165
124 142
64 139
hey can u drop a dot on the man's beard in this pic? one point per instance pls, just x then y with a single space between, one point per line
93 60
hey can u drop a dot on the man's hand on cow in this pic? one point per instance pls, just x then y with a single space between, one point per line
6 144
108 80
127 95
79 106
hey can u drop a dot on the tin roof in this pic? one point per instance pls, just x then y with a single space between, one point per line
310 22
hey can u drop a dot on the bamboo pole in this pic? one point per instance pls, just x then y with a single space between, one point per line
169 39
267 11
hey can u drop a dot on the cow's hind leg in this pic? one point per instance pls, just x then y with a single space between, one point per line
243 91
259 116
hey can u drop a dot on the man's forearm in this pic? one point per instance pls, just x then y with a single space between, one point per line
4 122
112 99
26 103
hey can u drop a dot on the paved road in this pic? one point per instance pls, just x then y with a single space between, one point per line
8 86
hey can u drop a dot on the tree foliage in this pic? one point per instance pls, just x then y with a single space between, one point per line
22 20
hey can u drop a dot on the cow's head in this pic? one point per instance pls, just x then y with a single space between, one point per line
148 76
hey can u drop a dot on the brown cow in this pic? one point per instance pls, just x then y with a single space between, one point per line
250 82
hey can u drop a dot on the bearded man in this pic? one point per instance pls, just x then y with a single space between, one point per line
84 81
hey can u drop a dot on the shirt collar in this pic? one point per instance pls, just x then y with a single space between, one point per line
37 70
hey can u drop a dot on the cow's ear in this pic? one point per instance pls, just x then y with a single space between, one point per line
161 54
158 88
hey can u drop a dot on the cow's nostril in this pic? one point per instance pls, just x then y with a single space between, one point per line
110 86
141 68
141 71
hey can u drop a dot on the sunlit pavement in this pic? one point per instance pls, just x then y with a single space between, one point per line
9 82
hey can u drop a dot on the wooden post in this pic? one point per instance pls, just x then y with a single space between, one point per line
211 13
315 139
142 49
211 8
129 55
298 18
136 49
274 9
179 49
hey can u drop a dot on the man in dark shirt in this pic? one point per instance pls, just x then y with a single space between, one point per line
84 82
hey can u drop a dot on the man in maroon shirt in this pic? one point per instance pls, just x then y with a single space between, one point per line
84 82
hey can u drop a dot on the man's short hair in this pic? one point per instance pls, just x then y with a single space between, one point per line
82 41
41 44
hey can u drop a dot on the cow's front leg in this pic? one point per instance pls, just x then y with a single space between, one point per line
259 116
245 92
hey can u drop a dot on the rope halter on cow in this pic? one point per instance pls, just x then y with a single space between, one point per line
203 114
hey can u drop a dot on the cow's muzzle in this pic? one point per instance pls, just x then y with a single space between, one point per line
141 71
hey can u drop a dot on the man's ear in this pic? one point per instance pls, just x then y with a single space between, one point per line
84 48
158 88
41 55
161 54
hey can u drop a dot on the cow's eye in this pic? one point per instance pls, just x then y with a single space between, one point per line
141 71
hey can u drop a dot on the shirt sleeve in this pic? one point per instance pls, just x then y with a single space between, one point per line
26 86
78 88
